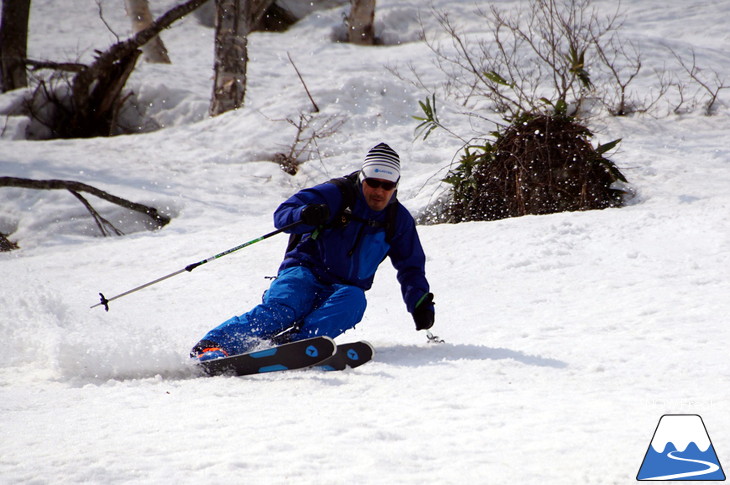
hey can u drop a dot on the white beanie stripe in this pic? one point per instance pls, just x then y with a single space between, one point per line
381 162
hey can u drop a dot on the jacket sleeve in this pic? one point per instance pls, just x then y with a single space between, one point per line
290 210
409 260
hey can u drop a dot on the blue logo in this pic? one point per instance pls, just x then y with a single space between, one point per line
312 351
352 355
378 170
681 450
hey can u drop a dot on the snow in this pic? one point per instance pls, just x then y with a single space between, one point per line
567 336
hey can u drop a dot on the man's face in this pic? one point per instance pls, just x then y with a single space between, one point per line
377 192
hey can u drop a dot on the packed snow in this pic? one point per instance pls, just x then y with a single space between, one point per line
567 336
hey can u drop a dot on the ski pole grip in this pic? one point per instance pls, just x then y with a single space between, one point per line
191 267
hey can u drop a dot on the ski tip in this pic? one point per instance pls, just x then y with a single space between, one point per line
369 345
357 353
357 342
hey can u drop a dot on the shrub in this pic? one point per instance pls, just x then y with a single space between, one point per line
539 164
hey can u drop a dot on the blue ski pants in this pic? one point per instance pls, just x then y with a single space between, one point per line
296 302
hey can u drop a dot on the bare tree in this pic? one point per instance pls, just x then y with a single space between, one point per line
95 90
154 50
13 44
360 22
235 19
542 56
309 128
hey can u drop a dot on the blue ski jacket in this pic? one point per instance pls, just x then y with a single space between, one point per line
350 253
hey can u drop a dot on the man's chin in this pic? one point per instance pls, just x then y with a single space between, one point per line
378 206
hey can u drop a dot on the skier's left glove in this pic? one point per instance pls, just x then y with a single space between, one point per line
424 314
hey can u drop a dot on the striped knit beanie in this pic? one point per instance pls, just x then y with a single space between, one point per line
381 162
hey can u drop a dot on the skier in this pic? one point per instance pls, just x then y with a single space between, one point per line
348 226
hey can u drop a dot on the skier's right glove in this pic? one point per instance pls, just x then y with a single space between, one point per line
315 214
424 313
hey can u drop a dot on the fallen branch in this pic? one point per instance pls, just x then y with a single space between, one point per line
100 221
76 187
56 66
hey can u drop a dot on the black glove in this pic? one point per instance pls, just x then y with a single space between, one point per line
315 214
423 314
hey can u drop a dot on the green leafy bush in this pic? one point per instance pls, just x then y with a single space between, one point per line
539 164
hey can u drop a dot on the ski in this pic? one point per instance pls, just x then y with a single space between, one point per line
290 356
350 355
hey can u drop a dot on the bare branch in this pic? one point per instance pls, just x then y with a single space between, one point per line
694 73
56 66
309 128
537 56
316 108
76 187
621 81
100 221
106 24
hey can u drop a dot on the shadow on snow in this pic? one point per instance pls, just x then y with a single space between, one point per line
413 355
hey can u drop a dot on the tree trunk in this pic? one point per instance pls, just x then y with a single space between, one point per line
235 19
154 50
95 89
360 22
95 94
14 44
231 55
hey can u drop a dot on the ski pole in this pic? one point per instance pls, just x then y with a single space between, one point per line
105 301
433 339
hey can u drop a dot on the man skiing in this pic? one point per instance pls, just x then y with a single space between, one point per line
347 228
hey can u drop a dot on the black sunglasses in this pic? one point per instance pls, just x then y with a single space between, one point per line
375 184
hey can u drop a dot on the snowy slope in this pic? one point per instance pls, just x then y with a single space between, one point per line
567 336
